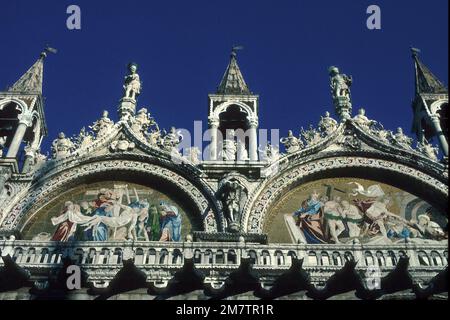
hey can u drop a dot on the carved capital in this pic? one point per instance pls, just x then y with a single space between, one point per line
26 117
253 122
213 122
435 118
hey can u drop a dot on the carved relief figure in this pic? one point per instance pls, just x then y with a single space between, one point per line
228 152
210 222
171 141
427 149
362 120
83 139
311 136
242 153
270 153
102 126
230 194
62 146
291 143
401 139
327 124
142 122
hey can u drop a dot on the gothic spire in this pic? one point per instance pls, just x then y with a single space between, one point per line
426 82
232 81
31 81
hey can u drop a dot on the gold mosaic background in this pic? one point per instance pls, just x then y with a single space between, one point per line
275 226
40 222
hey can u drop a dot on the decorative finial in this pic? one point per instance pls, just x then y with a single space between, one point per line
46 50
234 50
415 52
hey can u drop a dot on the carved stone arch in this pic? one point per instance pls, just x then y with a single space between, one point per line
238 177
224 106
398 175
435 107
194 197
19 103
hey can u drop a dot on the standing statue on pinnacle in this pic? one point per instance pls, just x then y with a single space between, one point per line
340 83
132 84
340 91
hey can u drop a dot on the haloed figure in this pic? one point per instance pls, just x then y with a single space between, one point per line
170 220
66 228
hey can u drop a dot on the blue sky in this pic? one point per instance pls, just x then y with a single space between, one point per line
182 48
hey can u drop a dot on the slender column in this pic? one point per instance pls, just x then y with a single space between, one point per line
214 127
25 121
437 126
253 140
32 149
202 257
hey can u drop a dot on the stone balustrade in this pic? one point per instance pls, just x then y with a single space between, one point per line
101 260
